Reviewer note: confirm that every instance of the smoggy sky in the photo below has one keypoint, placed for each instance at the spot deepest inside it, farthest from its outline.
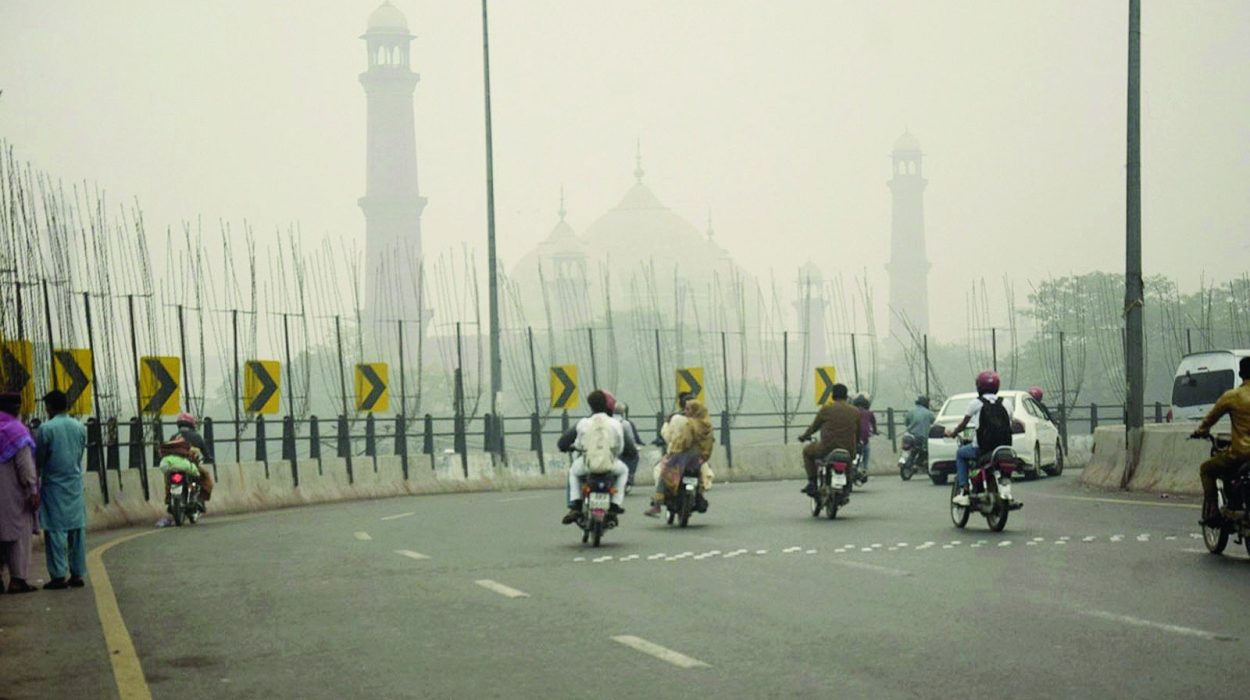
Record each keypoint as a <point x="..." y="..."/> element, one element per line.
<point x="777" y="116"/>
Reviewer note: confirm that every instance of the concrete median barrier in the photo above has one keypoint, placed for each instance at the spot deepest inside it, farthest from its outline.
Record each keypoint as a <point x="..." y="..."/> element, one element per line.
<point x="1169" y="460"/>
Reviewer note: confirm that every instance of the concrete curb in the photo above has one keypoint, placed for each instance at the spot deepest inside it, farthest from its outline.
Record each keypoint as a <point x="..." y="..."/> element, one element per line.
<point x="1169" y="461"/>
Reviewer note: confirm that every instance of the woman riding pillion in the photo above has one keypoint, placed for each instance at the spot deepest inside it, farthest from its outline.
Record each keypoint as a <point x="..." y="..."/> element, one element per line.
<point x="600" y="442"/>
<point x="689" y="438"/>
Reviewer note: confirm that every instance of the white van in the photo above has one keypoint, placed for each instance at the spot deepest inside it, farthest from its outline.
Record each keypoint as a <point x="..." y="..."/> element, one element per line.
<point x="1200" y="379"/>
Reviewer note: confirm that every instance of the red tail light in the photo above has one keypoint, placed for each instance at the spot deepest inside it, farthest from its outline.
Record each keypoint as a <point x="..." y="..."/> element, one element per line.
<point x="839" y="467"/>
<point x="176" y="477"/>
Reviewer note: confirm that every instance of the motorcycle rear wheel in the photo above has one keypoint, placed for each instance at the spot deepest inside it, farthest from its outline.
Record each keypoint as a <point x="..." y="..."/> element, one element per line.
<point x="1216" y="539"/>
<point x="687" y="503"/>
<point x="959" y="514"/>
<point x="997" y="518"/>
<point x="818" y="504"/>
<point x="905" y="471"/>
<point x="596" y="533"/>
<point x="831" y="507"/>
<point x="176" y="510"/>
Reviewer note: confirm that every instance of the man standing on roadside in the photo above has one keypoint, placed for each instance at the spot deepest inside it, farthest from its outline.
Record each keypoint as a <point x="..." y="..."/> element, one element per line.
<point x="19" y="494"/>
<point x="59" y="446"/>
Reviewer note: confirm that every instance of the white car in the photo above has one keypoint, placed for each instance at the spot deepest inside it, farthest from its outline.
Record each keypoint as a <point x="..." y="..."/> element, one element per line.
<point x="1035" y="436"/>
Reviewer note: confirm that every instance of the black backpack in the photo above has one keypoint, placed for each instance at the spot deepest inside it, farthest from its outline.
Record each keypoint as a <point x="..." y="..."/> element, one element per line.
<point x="994" y="427"/>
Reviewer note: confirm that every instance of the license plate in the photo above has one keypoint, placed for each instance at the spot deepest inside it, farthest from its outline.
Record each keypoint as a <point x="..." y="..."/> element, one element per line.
<point x="690" y="481"/>
<point x="839" y="479"/>
<point x="1004" y="490"/>
<point x="176" y="489"/>
<point x="599" y="501"/>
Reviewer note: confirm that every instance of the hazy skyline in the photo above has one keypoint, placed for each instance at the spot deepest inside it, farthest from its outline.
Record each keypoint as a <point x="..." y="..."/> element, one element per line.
<point x="778" y="118"/>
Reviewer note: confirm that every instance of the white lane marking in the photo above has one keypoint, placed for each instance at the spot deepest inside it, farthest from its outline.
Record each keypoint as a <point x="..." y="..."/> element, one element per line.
<point x="1065" y="538"/>
<point x="790" y="550"/>
<point x="410" y="554"/>
<point x="956" y="542"/>
<point x="653" y="557"/>
<point x="662" y="653"/>
<point x="701" y="557"/>
<point x="521" y="498"/>
<point x="1195" y="535"/>
<point x="810" y="551"/>
<point x="866" y="549"/>
<point x="948" y="546"/>
<point x="901" y="544"/>
<point x="1038" y="539"/>
<point x="501" y="589"/>
<point x="1144" y="537"/>
<point x="761" y="551"/>
<point x="1161" y="626"/>
<point x="600" y="560"/>
<point x="683" y="555"/>
<point x="714" y="552"/>
<point x="730" y="555"/>
<point x="363" y="536"/>
<point x="629" y="558"/>
<point x="1090" y="538"/>
<point x="1005" y="543"/>
<point x="398" y="516"/>
<point x="876" y="546"/>
<point x="872" y="567"/>
<point x="1030" y="543"/>
<point x="579" y="558"/>
<point x="974" y="545"/>
<point x="1170" y="537"/>
<point x="1061" y="541"/>
<point x="1191" y="550"/>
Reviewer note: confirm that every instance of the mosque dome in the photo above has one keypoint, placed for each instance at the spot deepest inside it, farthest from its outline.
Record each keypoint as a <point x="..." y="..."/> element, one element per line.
<point x="907" y="144"/>
<point x="388" y="18"/>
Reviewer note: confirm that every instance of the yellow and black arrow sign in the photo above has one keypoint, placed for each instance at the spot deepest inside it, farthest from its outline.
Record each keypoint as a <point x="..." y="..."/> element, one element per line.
<point x="261" y="381"/>
<point x="71" y="373"/>
<point x="826" y="377"/>
<point x="690" y="381"/>
<point x="158" y="385"/>
<point x="16" y="368"/>
<point x="372" y="393"/>
<point x="564" y="394"/>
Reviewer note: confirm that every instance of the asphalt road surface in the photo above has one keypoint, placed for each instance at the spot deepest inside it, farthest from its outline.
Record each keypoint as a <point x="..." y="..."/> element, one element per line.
<point x="1085" y="594"/>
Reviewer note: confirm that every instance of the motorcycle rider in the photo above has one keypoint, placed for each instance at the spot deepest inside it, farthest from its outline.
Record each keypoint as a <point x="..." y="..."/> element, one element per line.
<point x="867" y="427"/>
<point x="682" y="399"/>
<point x="600" y="428"/>
<point x="838" y="424"/>
<point x="918" y="422"/>
<point x="987" y="383"/>
<point x="176" y="456"/>
<point x="1235" y="403"/>
<point x="630" y="458"/>
<point x="187" y="425"/>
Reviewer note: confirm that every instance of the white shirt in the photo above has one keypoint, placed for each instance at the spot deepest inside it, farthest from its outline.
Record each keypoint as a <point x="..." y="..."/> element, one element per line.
<point x="974" y="409"/>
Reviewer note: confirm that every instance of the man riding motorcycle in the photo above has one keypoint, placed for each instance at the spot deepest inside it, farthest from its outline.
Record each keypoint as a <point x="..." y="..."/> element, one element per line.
<point x="918" y="422"/>
<point x="631" y="431"/>
<point x="187" y="425"/>
<point x="867" y="428"/>
<point x="598" y="429"/>
<point x="1235" y="403"/>
<point x="987" y="384"/>
<point x="838" y="425"/>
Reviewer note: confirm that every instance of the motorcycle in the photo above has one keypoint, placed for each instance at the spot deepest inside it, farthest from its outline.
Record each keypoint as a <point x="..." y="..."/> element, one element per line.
<point x="183" y="501"/>
<point x="989" y="490"/>
<point x="859" y="469"/>
<point x="595" y="516"/>
<point x="833" y="488"/>
<point x="914" y="456"/>
<point x="684" y="500"/>
<point x="1234" y="504"/>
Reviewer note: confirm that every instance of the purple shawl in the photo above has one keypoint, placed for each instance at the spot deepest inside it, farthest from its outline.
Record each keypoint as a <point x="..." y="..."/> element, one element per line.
<point x="13" y="437"/>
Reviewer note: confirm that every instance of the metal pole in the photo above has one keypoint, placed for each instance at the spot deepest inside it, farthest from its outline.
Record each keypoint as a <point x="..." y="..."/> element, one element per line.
<point x="134" y="351"/>
<point x="926" y="364"/>
<point x="186" y="371"/>
<point x="496" y="369"/>
<point x="785" y="387"/>
<point x="21" y="321"/>
<point x="994" y="349"/>
<point x="459" y="396"/>
<point x="529" y="336"/>
<point x="238" y="390"/>
<point x="403" y="382"/>
<point x="47" y="317"/>
<point x="290" y="383"/>
<point x="855" y="361"/>
<point x="1063" y="395"/>
<point x="659" y="371"/>
<point x="95" y="395"/>
<point x="338" y="333"/>
<point x="1189" y="341"/>
<point x="724" y="363"/>
<point x="594" y="367"/>
<point x="1133" y="301"/>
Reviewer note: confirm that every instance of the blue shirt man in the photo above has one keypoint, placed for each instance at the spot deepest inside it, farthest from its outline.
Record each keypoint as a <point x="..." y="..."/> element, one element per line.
<point x="59" y="445"/>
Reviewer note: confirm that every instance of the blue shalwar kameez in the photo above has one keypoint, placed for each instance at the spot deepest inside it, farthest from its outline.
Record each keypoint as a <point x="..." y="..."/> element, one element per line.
<point x="59" y="446"/>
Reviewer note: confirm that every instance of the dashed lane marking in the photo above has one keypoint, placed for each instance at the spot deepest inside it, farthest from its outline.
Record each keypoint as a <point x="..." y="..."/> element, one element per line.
<point x="1161" y="626"/>
<point x="397" y="516"/>
<point x="521" y="498"/>
<point x="662" y="653"/>
<point x="501" y="589"/>
<point x="410" y="554"/>
<point x="791" y="550"/>
<point x="363" y="536"/>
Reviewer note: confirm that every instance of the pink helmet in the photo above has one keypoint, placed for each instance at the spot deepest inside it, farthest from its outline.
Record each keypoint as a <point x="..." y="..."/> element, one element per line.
<point x="185" y="418"/>
<point x="609" y="401"/>
<point x="987" y="382"/>
<point x="1036" y="393"/>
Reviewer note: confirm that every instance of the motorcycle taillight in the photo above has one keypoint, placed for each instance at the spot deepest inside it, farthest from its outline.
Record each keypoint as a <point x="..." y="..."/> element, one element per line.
<point x="176" y="477"/>
<point x="839" y="467"/>
<point x="1006" y="467"/>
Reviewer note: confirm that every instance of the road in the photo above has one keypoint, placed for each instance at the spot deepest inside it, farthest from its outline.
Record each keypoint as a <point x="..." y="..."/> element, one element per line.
<point x="1085" y="594"/>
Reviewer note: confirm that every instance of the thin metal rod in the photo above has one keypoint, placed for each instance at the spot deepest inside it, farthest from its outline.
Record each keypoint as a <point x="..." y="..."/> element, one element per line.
<point x="95" y="395"/>
<point x="659" y="371"/>
<point x="186" y="370"/>
<point x="47" y="317"/>
<point x="238" y="388"/>
<point x="134" y="352"/>
<point x="785" y="387"/>
<point x="855" y="361"/>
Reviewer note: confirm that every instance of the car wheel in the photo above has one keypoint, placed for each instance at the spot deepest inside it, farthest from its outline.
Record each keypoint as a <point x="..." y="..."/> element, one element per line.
<point x="938" y="479"/>
<point x="1057" y="468"/>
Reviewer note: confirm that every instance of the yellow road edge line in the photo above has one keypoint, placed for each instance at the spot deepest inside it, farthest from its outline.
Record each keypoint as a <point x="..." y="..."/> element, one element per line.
<point x="127" y="671"/>
<point x="1121" y="501"/>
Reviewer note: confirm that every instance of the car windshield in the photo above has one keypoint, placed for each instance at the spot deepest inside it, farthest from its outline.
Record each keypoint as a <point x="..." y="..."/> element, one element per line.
<point x="1201" y="388"/>
<point x="955" y="407"/>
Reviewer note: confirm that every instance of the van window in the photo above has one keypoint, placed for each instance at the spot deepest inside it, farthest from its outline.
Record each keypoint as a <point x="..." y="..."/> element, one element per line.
<point x="1201" y="388"/>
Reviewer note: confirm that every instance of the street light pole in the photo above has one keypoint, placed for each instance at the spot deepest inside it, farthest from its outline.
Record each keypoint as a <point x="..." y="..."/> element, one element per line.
<point x="496" y="381"/>
<point x="1134" y="370"/>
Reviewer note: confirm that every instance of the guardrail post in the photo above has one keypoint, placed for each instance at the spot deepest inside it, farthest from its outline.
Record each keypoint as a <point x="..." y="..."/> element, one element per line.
<point x="724" y="438"/>
<point x="345" y="447"/>
<point x="401" y="443"/>
<point x="536" y="441"/>
<point x="488" y="433"/>
<point x="158" y="436"/>
<point x="458" y="437"/>
<point x="427" y="434"/>
<point x="1093" y="418"/>
<point x="889" y="428"/>
<point x="262" y="449"/>
<point x="314" y="441"/>
<point x="288" y="448"/>
<point x="95" y="461"/>
<point x="371" y="440"/>
<point x="209" y="437"/>
<point x="1063" y="425"/>
<point x="1158" y="412"/>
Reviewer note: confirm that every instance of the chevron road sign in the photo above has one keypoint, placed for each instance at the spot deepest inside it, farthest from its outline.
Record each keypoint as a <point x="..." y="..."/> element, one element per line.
<point x="158" y="385"/>
<point x="690" y="381"/>
<point x="17" y="366"/>
<point x="826" y="377"/>
<point x="71" y="373"/>
<point x="372" y="393"/>
<point x="261" y="381"/>
<point x="564" y="387"/>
